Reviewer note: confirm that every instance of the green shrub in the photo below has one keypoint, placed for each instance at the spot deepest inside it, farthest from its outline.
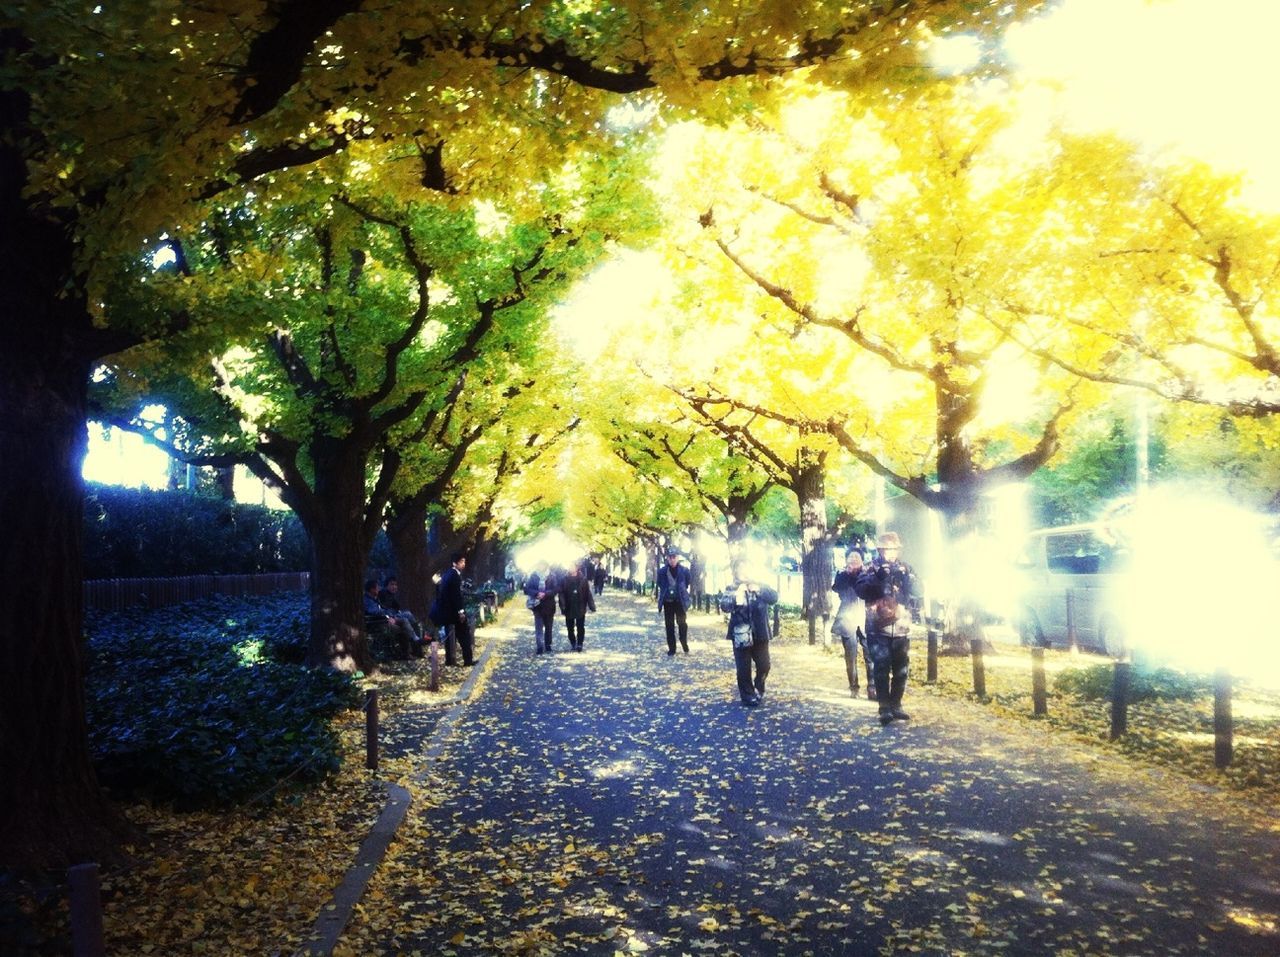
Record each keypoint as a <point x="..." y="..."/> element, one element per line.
<point x="1145" y="684"/>
<point x="189" y="704"/>
<point x="142" y="533"/>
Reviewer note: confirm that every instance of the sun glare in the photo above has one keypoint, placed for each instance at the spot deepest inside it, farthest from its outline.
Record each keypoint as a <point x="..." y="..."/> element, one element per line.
<point x="1182" y="77"/>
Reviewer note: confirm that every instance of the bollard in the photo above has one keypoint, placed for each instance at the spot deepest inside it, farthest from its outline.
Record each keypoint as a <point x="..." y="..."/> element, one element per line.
<point x="1071" y="621"/>
<point x="1039" y="697"/>
<point x="931" y="661"/>
<point x="434" y="683"/>
<point x="371" y="730"/>
<point x="813" y="627"/>
<point x="1120" y="700"/>
<point x="979" y="670"/>
<point x="1223" y="745"/>
<point x="85" y="901"/>
<point x="777" y="623"/>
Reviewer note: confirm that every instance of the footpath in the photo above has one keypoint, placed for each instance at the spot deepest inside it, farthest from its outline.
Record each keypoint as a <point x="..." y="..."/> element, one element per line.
<point x="621" y="801"/>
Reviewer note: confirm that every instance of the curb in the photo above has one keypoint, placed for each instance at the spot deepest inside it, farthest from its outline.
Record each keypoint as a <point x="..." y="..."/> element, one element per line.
<point x="336" y="913"/>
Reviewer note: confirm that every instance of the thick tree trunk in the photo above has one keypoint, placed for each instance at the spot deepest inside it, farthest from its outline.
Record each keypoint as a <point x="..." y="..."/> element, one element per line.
<point x="407" y="531"/>
<point x="339" y="551"/>
<point x="816" y="565"/>
<point x="54" y="812"/>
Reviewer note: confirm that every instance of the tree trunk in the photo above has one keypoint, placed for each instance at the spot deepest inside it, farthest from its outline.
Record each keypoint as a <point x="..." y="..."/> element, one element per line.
<point x="54" y="812"/>
<point x="815" y="553"/>
<point x="226" y="482"/>
<point x="339" y="552"/>
<point x="407" y="531"/>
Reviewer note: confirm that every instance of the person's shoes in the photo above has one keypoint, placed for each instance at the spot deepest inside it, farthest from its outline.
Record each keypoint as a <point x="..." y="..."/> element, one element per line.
<point x="886" y="717"/>
<point x="686" y="649"/>
<point x="871" y="694"/>
<point x="760" y="695"/>
<point x="752" y="702"/>
<point x="900" y="715"/>
<point x="671" y="654"/>
<point x="539" y="651"/>
<point x="854" y="693"/>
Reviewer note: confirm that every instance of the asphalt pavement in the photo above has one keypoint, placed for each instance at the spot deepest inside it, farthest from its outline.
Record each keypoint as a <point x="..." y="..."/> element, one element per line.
<point x="621" y="801"/>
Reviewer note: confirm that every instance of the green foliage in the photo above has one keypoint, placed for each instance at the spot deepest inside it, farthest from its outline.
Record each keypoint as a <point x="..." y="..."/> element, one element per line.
<point x="1145" y="684"/>
<point x="188" y="705"/>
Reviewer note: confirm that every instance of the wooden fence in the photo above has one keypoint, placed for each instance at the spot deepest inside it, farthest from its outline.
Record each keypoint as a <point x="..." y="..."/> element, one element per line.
<point x="114" y="594"/>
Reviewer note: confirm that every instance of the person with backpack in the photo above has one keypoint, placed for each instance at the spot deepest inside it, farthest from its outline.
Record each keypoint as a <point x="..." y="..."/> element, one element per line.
<point x="887" y="585"/>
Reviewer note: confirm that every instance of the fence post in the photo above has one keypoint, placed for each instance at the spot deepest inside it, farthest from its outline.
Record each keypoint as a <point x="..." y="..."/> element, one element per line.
<point x="1072" y="641"/>
<point x="979" y="669"/>
<point x="85" y="900"/>
<point x="1039" y="698"/>
<point x="931" y="661"/>
<point x="1120" y="700"/>
<point x="777" y="622"/>
<point x="371" y="730"/>
<point x="434" y="650"/>
<point x="1223" y="744"/>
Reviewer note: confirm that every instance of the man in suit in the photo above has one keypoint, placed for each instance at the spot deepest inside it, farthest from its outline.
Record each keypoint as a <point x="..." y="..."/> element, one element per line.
<point x="448" y="611"/>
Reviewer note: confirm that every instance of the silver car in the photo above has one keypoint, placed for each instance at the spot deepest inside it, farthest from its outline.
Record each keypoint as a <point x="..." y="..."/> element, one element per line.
<point x="1072" y="579"/>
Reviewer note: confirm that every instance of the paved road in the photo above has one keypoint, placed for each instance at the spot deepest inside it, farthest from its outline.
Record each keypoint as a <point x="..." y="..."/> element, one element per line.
<point x="621" y="801"/>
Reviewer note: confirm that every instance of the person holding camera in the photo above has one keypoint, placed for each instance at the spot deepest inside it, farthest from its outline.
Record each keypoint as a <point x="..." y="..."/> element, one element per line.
<point x="888" y="586"/>
<point x="747" y="603"/>
<point x="849" y="621"/>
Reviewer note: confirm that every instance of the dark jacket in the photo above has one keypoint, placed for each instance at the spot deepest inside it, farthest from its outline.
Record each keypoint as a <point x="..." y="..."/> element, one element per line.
<point x="850" y="615"/>
<point x="673" y="585"/>
<point x="448" y="600"/>
<point x="887" y="589"/>
<point x="754" y="612"/>
<point x="575" y="596"/>
<point x="548" y="586"/>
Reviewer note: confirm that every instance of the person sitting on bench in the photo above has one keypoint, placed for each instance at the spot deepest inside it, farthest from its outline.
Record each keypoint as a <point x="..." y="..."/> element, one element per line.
<point x="407" y="641"/>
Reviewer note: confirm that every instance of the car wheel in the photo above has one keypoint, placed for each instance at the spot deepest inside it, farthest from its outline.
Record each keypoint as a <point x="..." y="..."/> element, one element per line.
<point x="1030" y="633"/>
<point x="1112" y="638"/>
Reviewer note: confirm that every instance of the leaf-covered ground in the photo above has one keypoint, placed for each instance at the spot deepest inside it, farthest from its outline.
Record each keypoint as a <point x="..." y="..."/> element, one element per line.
<point x="617" y="801"/>
<point x="621" y="801"/>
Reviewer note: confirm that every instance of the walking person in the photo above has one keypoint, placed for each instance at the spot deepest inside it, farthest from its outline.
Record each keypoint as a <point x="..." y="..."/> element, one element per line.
<point x="541" y="600"/>
<point x="887" y="586"/>
<point x="575" y="601"/>
<point x="673" y="581"/>
<point x="747" y="603"/>
<point x="599" y="574"/>
<point x="449" y="612"/>
<point x="850" y="619"/>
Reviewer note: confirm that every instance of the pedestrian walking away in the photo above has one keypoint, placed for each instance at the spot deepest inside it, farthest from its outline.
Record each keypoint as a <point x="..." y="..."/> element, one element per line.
<point x="849" y="621"/>
<point x="449" y="612"/>
<point x="887" y="586"/>
<point x="575" y="602"/>
<point x="747" y="603"/>
<point x="673" y="583"/>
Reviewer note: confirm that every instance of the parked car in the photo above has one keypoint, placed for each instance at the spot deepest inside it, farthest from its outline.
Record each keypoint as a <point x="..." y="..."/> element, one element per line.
<point x="1076" y="571"/>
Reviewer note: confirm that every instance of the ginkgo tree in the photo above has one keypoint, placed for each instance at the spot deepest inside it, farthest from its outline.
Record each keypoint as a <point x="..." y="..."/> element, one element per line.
<point x="122" y="120"/>
<point x="887" y="237"/>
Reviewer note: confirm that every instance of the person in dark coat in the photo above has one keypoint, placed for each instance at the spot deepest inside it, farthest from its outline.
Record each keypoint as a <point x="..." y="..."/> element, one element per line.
<point x="747" y="603"/>
<point x="540" y="589"/>
<point x="849" y="621"/>
<point x="575" y="602"/>
<point x="887" y="585"/>
<point x="449" y="612"/>
<point x="407" y="640"/>
<point x="673" y="581"/>
<point x="599" y="574"/>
